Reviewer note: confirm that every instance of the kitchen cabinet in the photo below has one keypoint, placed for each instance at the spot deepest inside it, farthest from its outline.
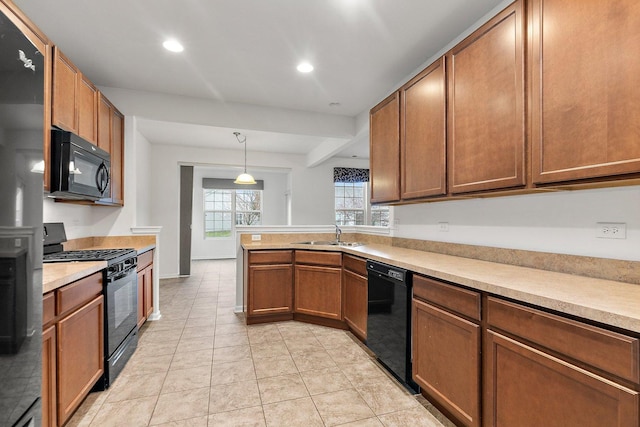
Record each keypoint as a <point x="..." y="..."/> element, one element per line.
<point x="65" y="87"/>
<point x="354" y="287"/>
<point x="384" y="150"/>
<point x="543" y="369"/>
<point x="49" y="361"/>
<point x="318" y="284"/>
<point x="72" y="346"/>
<point x="111" y="139"/>
<point x="486" y="106"/>
<point x="145" y="286"/>
<point x="87" y="103"/>
<point x="585" y="86"/>
<point x="423" y="133"/>
<point x="446" y="347"/>
<point x="268" y="285"/>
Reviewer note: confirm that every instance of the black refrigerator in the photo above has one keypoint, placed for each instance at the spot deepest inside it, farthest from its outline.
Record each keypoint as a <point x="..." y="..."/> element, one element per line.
<point x="21" y="195"/>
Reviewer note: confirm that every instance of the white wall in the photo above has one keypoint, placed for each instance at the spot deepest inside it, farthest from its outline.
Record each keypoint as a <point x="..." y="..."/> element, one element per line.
<point x="311" y="188"/>
<point x="273" y="210"/>
<point x="143" y="175"/>
<point x="562" y="222"/>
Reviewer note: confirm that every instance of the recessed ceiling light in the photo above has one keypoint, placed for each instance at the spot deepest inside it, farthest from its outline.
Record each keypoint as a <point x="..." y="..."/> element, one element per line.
<point x="173" y="45"/>
<point x="304" y="67"/>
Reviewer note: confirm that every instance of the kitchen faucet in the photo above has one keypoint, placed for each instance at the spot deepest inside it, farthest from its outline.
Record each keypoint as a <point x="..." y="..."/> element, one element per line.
<point x="338" y="233"/>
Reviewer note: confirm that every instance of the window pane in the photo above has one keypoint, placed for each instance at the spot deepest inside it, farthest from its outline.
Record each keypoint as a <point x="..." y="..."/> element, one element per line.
<point x="221" y="215"/>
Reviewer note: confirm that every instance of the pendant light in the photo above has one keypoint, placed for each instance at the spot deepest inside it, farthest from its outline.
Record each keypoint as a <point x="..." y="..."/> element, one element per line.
<point x="244" y="178"/>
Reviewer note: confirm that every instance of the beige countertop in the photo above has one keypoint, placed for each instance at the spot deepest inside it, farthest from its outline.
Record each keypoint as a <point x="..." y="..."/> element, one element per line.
<point x="606" y="301"/>
<point x="58" y="274"/>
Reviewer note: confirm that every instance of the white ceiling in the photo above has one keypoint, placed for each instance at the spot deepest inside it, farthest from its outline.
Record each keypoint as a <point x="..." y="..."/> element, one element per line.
<point x="246" y="51"/>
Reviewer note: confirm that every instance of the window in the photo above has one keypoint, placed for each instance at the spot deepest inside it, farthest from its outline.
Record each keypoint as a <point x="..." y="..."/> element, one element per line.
<point x="352" y="199"/>
<point x="222" y="206"/>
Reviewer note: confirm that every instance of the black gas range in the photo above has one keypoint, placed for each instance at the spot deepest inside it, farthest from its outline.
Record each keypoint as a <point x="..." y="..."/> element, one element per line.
<point x="120" y="292"/>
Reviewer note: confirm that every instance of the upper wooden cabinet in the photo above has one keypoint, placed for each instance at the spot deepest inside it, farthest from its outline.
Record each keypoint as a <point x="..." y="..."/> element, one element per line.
<point x="585" y="86"/>
<point x="423" y="133"/>
<point x="486" y="105"/>
<point x="384" y="150"/>
<point x="65" y="78"/>
<point x="87" y="102"/>
<point x="111" y="139"/>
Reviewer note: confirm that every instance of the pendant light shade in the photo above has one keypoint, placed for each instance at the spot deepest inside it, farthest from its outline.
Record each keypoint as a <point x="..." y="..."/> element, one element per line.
<point x="243" y="178"/>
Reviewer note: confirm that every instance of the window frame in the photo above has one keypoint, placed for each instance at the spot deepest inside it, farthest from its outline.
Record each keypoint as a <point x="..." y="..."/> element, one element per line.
<point x="233" y="212"/>
<point x="367" y="209"/>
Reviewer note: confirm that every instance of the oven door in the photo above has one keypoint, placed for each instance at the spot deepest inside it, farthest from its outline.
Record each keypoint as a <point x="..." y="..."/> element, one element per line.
<point x="121" y="307"/>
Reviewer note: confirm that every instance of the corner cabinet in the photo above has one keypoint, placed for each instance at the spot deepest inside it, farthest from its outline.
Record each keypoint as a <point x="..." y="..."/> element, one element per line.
<point x="486" y="117"/>
<point x="423" y="133"/>
<point x="355" y="291"/>
<point x="446" y="347"/>
<point x="384" y="150"/>
<point x="585" y="86"/>
<point x="318" y="284"/>
<point x="268" y="285"/>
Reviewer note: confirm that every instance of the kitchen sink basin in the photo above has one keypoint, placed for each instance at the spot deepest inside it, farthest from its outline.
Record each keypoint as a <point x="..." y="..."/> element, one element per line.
<point x="329" y="242"/>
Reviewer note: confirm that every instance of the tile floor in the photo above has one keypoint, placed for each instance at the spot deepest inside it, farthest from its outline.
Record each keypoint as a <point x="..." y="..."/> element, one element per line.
<point x="200" y="365"/>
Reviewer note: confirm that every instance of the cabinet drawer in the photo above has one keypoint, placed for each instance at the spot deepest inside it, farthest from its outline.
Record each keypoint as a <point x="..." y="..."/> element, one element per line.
<point x="319" y="258"/>
<point x="78" y="293"/>
<point x="606" y="350"/>
<point x="458" y="300"/>
<point x="357" y="265"/>
<point x="144" y="259"/>
<point x="270" y="257"/>
<point x="48" y="307"/>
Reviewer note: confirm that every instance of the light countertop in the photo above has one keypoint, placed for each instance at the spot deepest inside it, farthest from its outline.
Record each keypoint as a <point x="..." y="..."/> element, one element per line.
<point x="605" y="301"/>
<point x="58" y="274"/>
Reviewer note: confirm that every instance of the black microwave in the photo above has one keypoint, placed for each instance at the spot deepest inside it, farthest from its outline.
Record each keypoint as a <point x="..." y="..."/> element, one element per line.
<point x="79" y="169"/>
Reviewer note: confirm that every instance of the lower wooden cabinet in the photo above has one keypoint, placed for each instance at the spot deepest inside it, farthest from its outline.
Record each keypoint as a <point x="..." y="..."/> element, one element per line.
<point x="268" y="286"/>
<point x="318" y="291"/>
<point x="354" y="288"/>
<point x="446" y="351"/>
<point x="80" y="338"/>
<point x="49" y="381"/>
<point x="526" y="387"/>
<point x="145" y="286"/>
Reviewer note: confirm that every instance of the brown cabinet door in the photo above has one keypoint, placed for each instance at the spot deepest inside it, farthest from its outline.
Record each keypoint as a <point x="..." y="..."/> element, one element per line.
<point x="141" y="307"/>
<point x="270" y="289"/>
<point x="49" y="418"/>
<point x="318" y="291"/>
<point x="65" y="76"/>
<point x="80" y="356"/>
<point x="446" y="361"/>
<point x="525" y="387"/>
<point x="423" y="133"/>
<point x="87" y="104"/>
<point x="384" y="150"/>
<point x="148" y="291"/>
<point x="104" y="122"/>
<point x="355" y="302"/>
<point x="117" y="158"/>
<point x="585" y="80"/>
<point x="486" y="134"/>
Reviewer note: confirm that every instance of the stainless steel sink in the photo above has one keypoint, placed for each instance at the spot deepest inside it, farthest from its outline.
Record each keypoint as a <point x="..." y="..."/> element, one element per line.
<point x="329" y="242"/>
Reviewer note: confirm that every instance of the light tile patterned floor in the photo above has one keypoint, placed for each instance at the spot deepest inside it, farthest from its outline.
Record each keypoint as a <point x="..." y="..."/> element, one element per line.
<point x="200" y="365"/>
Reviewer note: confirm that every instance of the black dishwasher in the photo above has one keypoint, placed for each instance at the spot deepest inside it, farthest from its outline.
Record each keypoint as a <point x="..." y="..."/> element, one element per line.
<point x="389" y="319"/>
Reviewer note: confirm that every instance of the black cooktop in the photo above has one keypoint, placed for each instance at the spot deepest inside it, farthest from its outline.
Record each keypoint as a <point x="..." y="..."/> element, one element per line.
<point x="89" y="255"/>
<point x="55" y="235"/>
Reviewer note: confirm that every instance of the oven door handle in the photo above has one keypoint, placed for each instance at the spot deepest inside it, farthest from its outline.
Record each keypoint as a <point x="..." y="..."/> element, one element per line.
<point x="122" y="274"/>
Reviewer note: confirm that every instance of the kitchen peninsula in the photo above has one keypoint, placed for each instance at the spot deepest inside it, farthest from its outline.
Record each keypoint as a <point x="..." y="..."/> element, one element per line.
<point x="480" y="326"/>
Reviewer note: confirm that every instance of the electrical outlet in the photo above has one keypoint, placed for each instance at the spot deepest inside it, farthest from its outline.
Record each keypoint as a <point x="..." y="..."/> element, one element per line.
<point x="443" y="226"/>
<point x="611" y="230"/>
<point x="256" y="237"/>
